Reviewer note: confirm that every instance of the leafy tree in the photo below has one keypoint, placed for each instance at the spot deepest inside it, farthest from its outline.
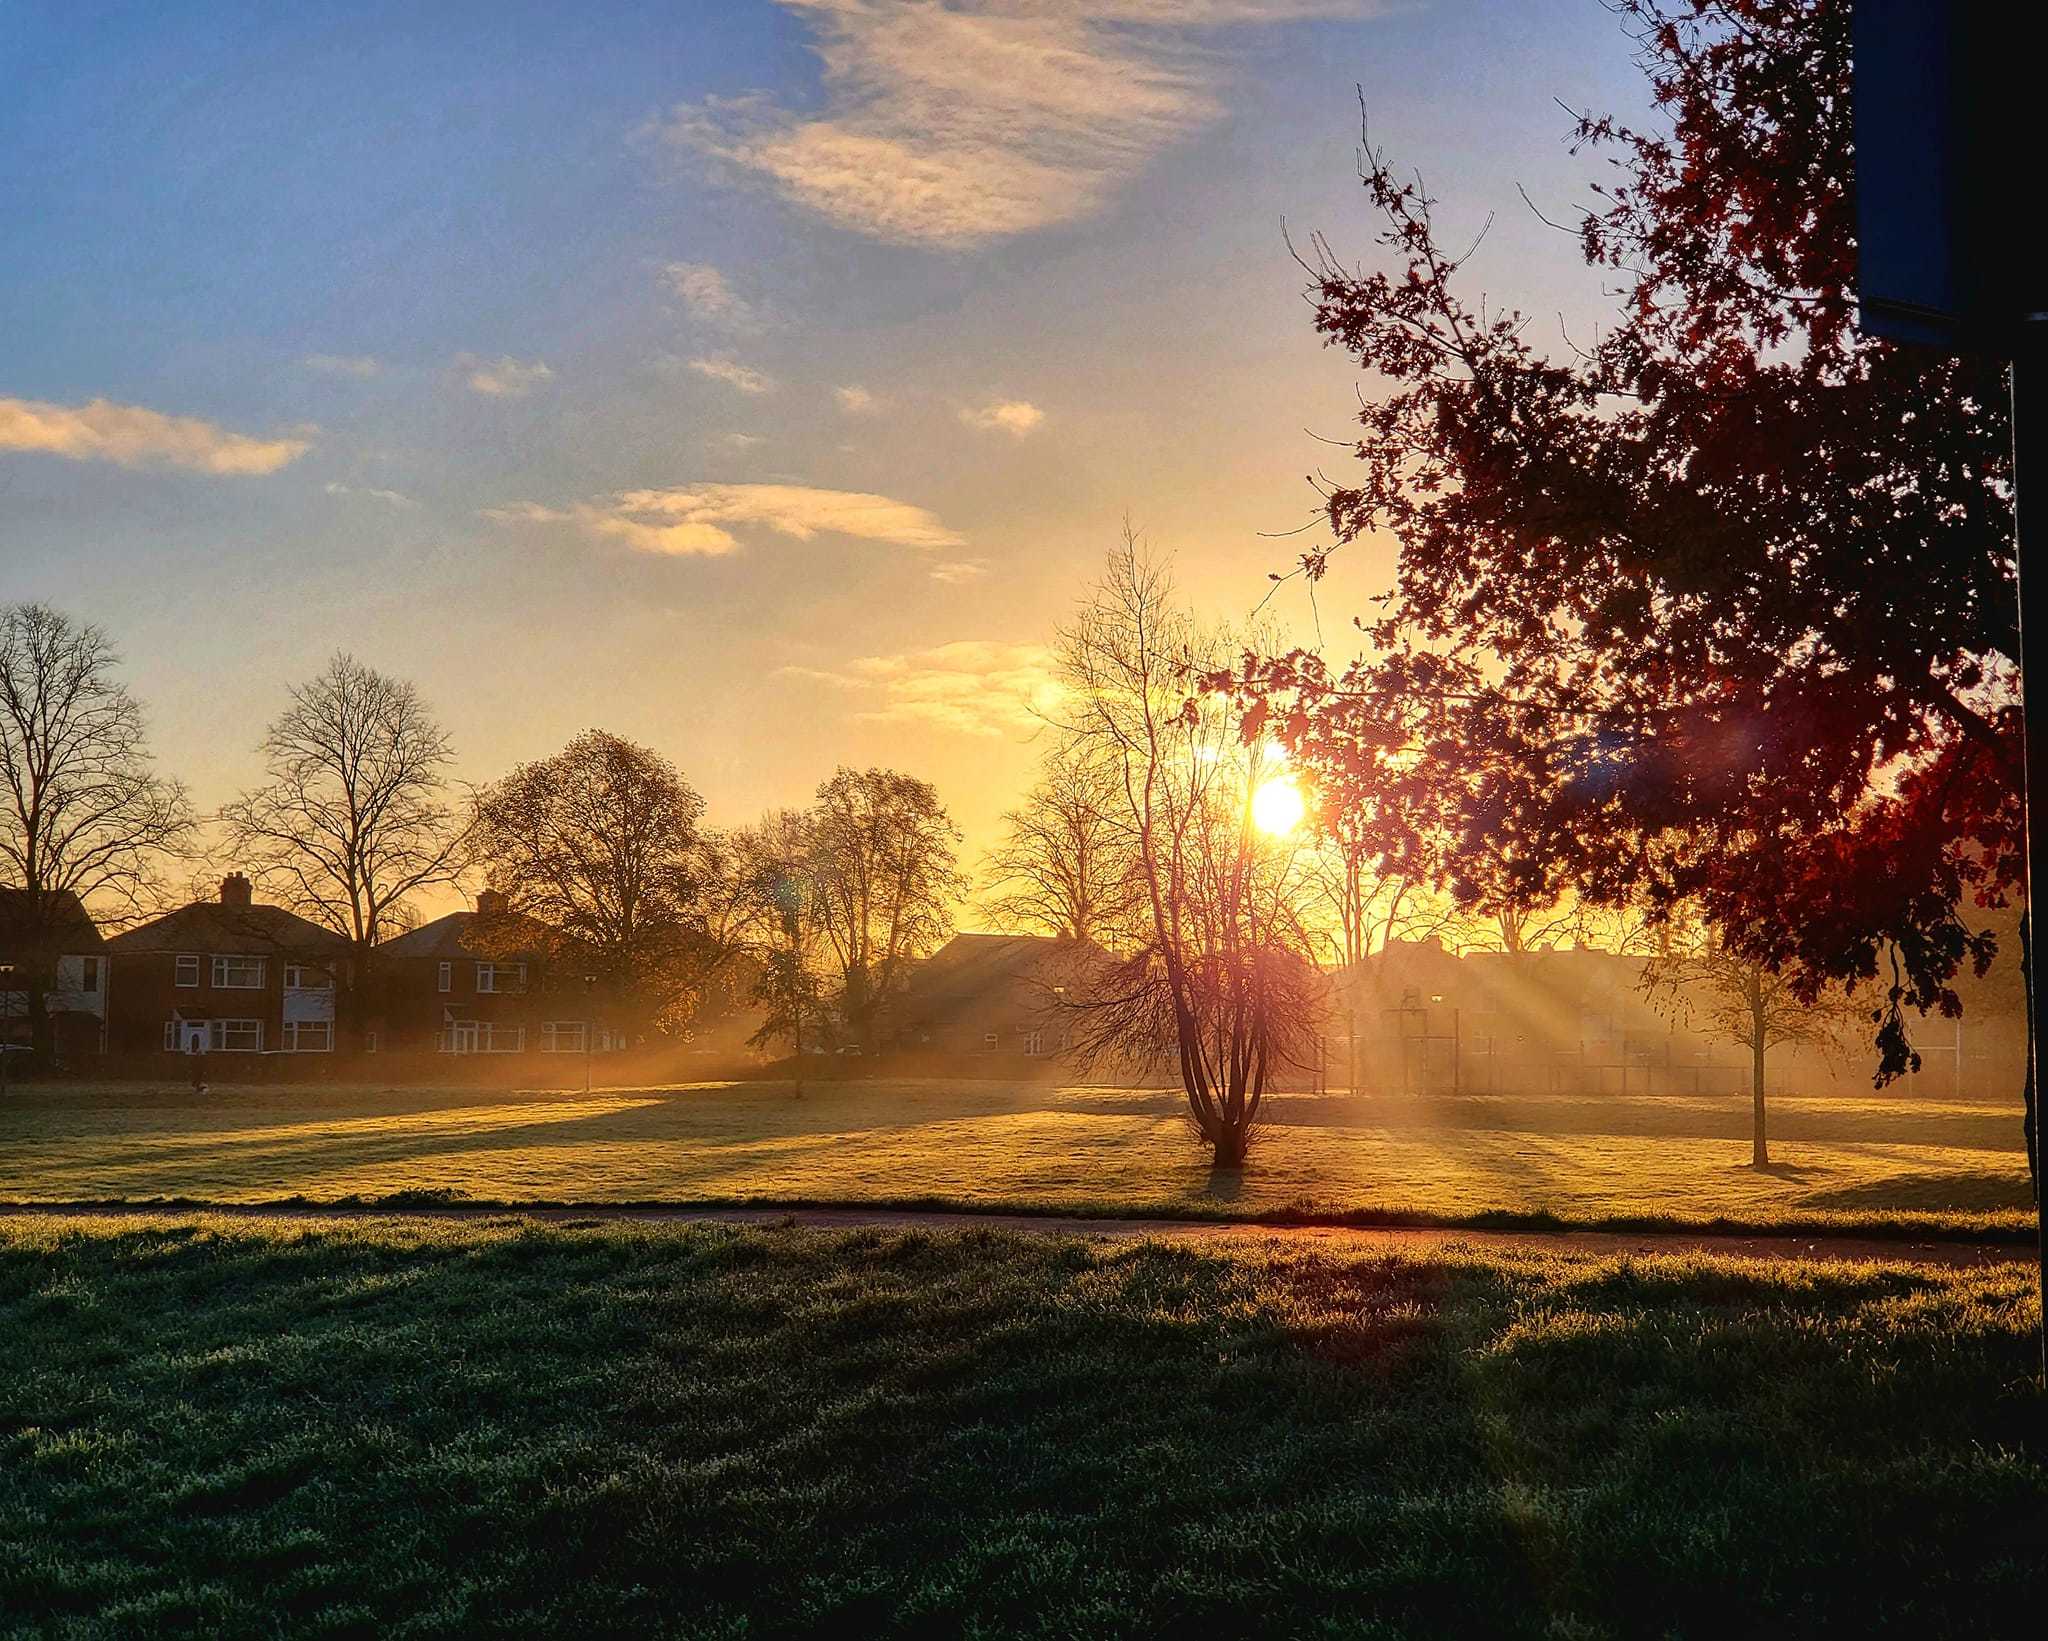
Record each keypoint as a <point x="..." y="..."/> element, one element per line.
<point x="883" y="877"/>
<point x="601" y="844"/>
<point x="1708" y="985"/>
<point x="84" y="818"/>
<point x="1717" y="610"/>
<point x="353" y="820"/>
<point x="778" y="919"/>
<point x="1063" y="867"/>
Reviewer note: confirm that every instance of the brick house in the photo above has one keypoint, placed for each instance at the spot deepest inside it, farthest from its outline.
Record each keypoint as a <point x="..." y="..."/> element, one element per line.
<point x="990" y="997"/>
<point x="228" y="976"/>
<point x="490" y="981"/>
<point x="55" y="949"/>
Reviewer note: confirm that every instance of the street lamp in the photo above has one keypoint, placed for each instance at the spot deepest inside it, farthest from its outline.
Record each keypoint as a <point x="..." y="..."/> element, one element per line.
<point x="589" y="991"/>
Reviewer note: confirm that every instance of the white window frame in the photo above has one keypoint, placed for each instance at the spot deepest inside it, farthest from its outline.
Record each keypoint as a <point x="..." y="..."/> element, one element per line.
<point x="489" y="974"/>
<point x="445" y="980"/>
<point x="564" y="1036"/>
<point x="217" y="1036"/>
<point x="89" y="973"/>
<point x="295" y="978"/>
<point x="1034" y="1042"/>
<point x="183" y="964"/>
<point x="295" y="1032"/>
<point x="990" y="1040"/>
<point x="221" y="971"/>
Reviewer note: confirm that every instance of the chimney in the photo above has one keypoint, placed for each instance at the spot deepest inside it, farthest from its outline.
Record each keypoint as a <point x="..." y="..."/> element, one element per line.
<point x="234" y="890"/>
<point x="492" y="903"/>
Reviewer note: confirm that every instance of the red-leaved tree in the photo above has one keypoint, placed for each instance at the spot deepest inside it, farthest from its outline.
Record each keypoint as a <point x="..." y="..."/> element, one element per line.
<point x="1718" y="608"/>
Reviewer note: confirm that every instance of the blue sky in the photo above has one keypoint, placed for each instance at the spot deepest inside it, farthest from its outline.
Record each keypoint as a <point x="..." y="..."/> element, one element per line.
<point x="760" y="380"/>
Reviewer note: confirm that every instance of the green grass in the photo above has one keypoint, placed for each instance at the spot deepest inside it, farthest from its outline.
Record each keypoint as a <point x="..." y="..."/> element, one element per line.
<point x="418" y="1428"/>
<point x="1882" y="1162"/>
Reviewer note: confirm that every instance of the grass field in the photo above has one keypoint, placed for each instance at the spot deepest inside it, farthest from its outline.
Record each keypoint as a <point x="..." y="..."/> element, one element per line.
<point x="1838" y="1161"/>
<point x="420" y="1428"/>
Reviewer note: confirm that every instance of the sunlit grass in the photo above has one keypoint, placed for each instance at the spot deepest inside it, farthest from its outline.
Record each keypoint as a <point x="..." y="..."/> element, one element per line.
<point x="389" y="1427"/>
<point x="1838" y="1160"/>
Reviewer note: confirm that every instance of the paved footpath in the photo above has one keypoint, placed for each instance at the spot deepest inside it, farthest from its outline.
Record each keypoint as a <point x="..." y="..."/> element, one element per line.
<point x="1344" y="1241"/>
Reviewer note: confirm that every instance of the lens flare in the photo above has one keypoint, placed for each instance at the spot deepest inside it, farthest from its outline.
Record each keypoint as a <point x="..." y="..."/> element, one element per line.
<point x="1277" y="808"/>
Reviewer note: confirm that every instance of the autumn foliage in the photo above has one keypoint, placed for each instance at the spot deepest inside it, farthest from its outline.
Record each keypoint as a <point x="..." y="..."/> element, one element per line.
<point x="1715" y="608"/>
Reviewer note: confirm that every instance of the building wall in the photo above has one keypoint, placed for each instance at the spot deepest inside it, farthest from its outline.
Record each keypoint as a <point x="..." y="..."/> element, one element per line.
<point x="145" y="995"/>
<point x="417" y="1016"/>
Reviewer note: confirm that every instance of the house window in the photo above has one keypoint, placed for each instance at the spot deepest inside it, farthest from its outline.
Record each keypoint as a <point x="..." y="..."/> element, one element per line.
<point x="369" y="1042"/>
<point x="233" y="972"/>
<point x="235" y="1036"/>
<point x="89" y="974"/>
<point x="988" y="1039"/>
<point x="501" y="977"/>
<point x="301" y="977"/>
<point x="187" y="970"/>
<point x="446" y="982"/>
<point x="1034" y="1042"/>
<point x="308" y="1036"/>
<point x="480" y="1037"/>
<point x="563" y="1037"/>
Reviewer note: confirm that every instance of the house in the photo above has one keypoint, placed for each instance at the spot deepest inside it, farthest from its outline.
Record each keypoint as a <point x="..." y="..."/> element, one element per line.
<point x="489" y="981"/>
<point x="227" y="976"/>
<point x="53" y="948"/>
<point x="989" y="996"/>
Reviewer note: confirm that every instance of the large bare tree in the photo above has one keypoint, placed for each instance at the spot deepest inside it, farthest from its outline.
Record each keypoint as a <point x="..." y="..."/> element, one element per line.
<point x="1063" y="867"/>
<point x="86" y="819"/>
<point x="1220" y="976"/>
<point x="778" y="897"/>
<point x="601" y="843"/>
<point x="353" y="818"/>
<point x="883" y="869"/>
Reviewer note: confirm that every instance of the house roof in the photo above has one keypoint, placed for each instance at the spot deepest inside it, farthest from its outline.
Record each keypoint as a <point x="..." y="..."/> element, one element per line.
<point x="970" y="968"/>
<point x="208" y="926"/>
<point x="65" y="925"/>
<point x="508" y="934"/>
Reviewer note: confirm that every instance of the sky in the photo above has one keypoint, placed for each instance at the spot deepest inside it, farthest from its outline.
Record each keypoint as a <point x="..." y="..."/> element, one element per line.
<point x="762" y="380"/>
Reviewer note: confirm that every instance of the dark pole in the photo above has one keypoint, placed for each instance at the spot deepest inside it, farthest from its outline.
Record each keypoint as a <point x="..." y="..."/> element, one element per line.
<point x="2029" y="447"/>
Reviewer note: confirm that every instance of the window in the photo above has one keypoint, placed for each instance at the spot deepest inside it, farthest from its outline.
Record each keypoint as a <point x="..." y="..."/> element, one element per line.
<point x="563" y="1037"/>
<point x="234" y="972"/>
<point x="480" y="1037"/>
<point x="303" y="977"/>
<point x="308" y="1036"/>
<point x="1034" y="1042"/>
<point x="89" y="974"/>
<point x="447" y="977"/>
<point x="235" y="1036"/>
<point x="187" y="973"/>
<point x="501" y="977"/>
<point x="988" y="1039"/>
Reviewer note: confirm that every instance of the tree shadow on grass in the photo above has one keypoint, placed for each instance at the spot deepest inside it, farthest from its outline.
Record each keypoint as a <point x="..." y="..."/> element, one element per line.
<point x="1961" y="1189"/>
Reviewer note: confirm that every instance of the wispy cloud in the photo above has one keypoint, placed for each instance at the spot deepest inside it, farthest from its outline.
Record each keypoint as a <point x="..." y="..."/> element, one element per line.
<point x="734" y="374"/>
<point x="972" y="686"/>
<point x="950" y="125"/>
<point x="1016" y="417"/>
<point x="856" y="400"/>
<point x="359" y="365"/>
<point x="132" y="436"/>
<point x="391" y="498"/>
<point x="708" y="294"/>
<point x="742" y="441"/>
<point x="708" y="520"/>
<point x="957" y="572"/>
<point x="505" y="378"/>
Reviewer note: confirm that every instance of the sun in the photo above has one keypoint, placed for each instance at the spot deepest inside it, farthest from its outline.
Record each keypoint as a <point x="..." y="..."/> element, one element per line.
<point x="1277" y="807"/>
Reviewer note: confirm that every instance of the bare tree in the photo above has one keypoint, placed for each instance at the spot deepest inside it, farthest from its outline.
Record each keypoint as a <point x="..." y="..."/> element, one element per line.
<point x="601" y="844"/>
<point x="1220" y="977"/>
<point x="883" y="871"/>
<point x="86" y="820"/>
<point x="1063" y="867"/>
<point x="1699" y="982"/>
<point x="352" y="820"/>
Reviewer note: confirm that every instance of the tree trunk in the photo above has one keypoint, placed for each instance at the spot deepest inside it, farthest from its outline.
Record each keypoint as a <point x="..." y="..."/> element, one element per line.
<point x="2030" y="1092"/>
<point x="1759" y="1142"/>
